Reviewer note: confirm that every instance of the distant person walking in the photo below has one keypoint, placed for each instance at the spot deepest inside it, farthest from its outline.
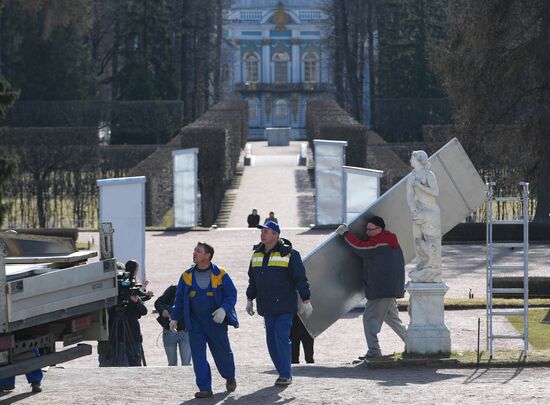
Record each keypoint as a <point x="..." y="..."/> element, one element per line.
<point x="253" y="219"/>
<point x="275" y="273"/>
<point x="271" y="218"/>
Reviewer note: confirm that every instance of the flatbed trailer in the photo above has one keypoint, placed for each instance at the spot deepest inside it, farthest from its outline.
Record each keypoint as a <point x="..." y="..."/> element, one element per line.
<point x="52" y="295"/>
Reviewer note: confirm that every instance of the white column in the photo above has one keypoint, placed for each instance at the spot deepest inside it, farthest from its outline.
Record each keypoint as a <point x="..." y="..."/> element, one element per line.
<point x="237" y="66"/>
<point x="266" y="61"/>
<point x="296" y="62"/>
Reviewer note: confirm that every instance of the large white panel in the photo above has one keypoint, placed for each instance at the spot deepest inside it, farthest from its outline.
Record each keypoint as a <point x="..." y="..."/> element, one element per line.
<point x="335" y="272"/>
<point x="330" y="156"/>
<point x="122" y="202"/>
<point x="185" y="187"/>
<point x="362" y="188"/>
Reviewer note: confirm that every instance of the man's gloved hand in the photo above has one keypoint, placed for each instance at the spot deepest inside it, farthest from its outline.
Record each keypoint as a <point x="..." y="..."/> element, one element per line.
<point x="342" y="229"/>
<point x="250" y="307"/>
<point x="218" y="315"/>
<point x="173" y="326"/>
<point x="306" y="309"/>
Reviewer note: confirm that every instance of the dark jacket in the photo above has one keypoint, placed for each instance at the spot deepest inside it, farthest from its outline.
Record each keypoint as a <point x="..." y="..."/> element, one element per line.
<point x="274" y="278"/>
<point x="253" y="220"/>
<point x="129" y="313"/>
<point x="384" y="266"/>
<point x="165" y="302"/>
<point x="225" y="295"/>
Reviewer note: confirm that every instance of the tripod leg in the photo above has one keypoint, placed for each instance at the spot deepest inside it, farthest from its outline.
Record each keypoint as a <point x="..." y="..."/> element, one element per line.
<point x="133" y="351"/>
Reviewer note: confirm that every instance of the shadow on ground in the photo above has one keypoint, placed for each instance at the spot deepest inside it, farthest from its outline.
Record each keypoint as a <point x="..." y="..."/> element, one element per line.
<point x="385" y="377"/>
<point x="267" y="395"/>
<point x="493" y="375"/>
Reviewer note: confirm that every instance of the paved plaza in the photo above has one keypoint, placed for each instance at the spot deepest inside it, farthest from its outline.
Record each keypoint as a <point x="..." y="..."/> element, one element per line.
<point x="274" y="183"/>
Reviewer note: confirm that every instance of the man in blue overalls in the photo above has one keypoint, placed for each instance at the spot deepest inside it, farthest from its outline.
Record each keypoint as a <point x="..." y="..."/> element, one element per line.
<point x="205" y="300"/>
<point x="34" y="378"/>
<point x="275" y="273"/>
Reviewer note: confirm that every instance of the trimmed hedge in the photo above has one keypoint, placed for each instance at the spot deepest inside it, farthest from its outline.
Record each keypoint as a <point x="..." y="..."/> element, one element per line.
<point x="325" y="119"/>
<point x="477" y="232"/>
<point x="131" y="122"/>
<point x="49" y="136"/>
<point x="58" y="167"/>
<point x="219" y="134"/>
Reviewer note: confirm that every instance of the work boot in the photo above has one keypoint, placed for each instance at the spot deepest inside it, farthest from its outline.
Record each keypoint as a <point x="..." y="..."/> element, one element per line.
<point x="6" y="387"/>
<point x="282" y="381"/>
<point x="36" y="388"/>
<point x="370" y="355"/>
<point x="204" y="394"/>
<point x="231" y="385"/>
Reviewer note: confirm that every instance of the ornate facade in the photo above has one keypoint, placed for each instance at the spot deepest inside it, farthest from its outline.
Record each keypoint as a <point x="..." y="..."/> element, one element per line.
<point x="274" y="59"/>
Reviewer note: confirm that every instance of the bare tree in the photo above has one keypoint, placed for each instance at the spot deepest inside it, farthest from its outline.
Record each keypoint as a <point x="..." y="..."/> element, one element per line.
<point x="495" y="69"/>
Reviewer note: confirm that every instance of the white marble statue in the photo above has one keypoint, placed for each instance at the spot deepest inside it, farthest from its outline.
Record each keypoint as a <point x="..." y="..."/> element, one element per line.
<point x="422" y="192"/>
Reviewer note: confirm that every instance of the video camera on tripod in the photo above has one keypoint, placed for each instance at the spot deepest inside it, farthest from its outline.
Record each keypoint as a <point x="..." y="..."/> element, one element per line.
<point x="128" y="287"/>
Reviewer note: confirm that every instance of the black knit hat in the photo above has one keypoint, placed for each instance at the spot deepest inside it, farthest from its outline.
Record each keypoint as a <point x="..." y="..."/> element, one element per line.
<point x="377" y="221"/>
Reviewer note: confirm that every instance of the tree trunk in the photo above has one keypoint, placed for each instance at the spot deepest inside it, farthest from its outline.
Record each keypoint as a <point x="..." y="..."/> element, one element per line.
<point x="218" y="58"/>
<point x="338" y="55"/>
<point x="40" y="201"/>
<point x="116" y="44"/>
<point x="372" y="71"/>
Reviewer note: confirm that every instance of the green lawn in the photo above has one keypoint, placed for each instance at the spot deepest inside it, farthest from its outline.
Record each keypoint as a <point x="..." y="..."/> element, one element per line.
<point x="539" y="333"/>
<point x="479" y="303"/>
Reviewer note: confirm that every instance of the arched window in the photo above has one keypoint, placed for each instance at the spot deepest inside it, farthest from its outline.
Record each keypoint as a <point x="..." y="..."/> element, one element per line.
<point x="280" y="67"/>
<point x="281" y="109"/>
<point x="251" y="65"/>
<point x="311" y="68"/>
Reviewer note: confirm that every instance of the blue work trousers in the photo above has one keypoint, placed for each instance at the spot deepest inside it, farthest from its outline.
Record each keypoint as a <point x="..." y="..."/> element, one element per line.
<point x="174" y="340"/>
<point x="277" y="330"/>
<point x="205" y="331"/>
<point x="32" y="377"/>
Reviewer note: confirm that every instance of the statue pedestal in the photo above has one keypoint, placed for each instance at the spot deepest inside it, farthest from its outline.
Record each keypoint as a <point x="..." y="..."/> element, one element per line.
<point x="427" y="332"/>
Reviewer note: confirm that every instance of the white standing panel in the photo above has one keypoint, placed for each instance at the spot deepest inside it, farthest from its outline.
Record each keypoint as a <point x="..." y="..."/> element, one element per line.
<point x="185" y="187"/>
<point x="330" y="156"/>
<point x="122" y="202"/>
<point x="362" y="189"/>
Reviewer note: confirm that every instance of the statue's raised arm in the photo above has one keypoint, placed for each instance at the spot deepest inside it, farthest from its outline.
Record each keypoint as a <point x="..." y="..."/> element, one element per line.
<point x="422" y="193"/>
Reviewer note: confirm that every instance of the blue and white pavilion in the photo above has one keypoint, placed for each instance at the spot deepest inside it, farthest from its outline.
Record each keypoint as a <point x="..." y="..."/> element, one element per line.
<point x="274" y="60"/>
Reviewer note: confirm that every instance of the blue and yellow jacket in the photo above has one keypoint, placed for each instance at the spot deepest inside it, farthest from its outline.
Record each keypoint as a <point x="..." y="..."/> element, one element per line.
<point x="273" y="279"/>
<point x="225" y="295"/>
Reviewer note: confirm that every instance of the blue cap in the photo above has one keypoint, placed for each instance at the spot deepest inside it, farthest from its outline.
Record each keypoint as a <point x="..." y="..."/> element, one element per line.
<point x="274" y="226"/>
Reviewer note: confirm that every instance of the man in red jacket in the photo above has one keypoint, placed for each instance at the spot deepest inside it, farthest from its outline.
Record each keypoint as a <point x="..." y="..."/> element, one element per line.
<point x="384" y="276"/>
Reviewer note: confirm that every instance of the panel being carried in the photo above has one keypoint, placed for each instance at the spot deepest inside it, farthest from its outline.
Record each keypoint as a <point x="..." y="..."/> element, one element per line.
<point x="335" y="272"/>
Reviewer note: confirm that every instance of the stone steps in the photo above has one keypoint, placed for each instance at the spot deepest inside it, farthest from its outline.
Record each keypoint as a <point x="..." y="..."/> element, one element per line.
<point x="229" y="198"/>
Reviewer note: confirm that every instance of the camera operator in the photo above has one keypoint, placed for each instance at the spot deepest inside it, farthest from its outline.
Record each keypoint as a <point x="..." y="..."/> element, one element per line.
<point x="132" y="267"/>
<point x="125" y="339"/>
